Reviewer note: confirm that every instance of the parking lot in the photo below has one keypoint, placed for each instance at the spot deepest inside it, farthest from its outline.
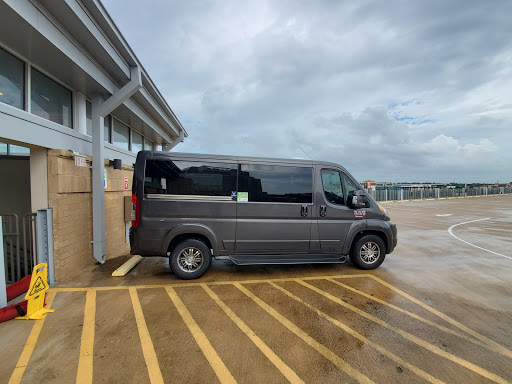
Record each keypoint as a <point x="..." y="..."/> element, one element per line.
<point x="439" y="309"/>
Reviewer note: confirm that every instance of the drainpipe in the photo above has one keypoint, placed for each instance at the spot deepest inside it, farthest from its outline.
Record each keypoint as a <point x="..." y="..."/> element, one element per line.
<point x="168" y="147"/>
<point x="100" y="110"/>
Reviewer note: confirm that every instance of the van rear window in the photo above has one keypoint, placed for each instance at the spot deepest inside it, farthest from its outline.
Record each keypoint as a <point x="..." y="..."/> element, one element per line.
<point x="189" y="178"/>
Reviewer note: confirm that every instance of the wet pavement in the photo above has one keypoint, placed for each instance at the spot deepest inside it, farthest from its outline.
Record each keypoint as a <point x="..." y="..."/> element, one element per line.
<point x="439" y="309"/>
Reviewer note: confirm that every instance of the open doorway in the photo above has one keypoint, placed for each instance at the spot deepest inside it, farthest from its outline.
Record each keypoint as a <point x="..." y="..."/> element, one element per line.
<point x="15" y="209"/>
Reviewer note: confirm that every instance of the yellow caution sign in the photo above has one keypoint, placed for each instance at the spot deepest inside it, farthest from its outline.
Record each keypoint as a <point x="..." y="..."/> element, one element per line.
<point x="36" y="294"/>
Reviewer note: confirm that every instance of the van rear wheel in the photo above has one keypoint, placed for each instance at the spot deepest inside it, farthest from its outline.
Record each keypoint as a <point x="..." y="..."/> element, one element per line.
<point x="190" y="259"/>
<point x="368" y="252"/>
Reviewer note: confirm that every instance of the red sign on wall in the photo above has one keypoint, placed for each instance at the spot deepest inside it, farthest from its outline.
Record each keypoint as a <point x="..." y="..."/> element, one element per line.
<point x="126" y="185"/>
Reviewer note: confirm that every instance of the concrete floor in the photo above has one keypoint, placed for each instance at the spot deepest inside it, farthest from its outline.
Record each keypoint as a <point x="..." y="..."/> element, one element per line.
<point x="439" y="309"/>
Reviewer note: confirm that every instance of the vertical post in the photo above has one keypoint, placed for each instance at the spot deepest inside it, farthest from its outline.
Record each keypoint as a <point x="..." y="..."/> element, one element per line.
<point x="45" y="241"/>
<point x="401" y="194"/>
<point x="386" y="194"/>
<point x="3" y="286"/>
<point x="80" y="117"/>
<point x="98" y="190"/>
<point x="28" y="88"/>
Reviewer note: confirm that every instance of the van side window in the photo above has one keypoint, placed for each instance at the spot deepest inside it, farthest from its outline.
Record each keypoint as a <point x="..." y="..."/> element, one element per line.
<point x="350" y="187"/>
<point x="276" y="184"/>
<point x="332" y="186"/>
<point x="190" y="178"/>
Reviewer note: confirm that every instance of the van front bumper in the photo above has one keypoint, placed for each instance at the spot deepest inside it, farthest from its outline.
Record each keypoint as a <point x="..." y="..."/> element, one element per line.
<point x="393" y="241"/>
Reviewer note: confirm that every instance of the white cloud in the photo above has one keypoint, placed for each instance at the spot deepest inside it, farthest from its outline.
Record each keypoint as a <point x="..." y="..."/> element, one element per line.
<point x="394" y="91"/>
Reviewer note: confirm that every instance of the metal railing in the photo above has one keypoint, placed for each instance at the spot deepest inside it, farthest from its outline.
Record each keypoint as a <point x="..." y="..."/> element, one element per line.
<point x="11" y="245"/>
<point x="388" y="194"/>
<point x="19" y="245"/>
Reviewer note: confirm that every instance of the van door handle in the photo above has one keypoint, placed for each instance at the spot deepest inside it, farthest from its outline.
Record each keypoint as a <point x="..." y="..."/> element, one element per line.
<point x="323" y="210"/>
<point x="304" y="210"/>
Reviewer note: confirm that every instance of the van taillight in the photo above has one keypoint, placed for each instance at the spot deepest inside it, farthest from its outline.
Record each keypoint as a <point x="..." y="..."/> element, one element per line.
<point x="135" y="212"/>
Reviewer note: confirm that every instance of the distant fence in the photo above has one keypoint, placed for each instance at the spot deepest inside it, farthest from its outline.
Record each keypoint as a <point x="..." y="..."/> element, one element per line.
<point x="386" y="194"/>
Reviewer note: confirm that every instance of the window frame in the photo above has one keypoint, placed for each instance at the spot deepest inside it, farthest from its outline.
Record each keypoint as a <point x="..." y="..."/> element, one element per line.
<point x="344" y="204"/>
<point x="164" y="196"/>
<point x="309" y="167"/>
<point x="133" y="131"/>
<point x="58" y="82"/>
<point x="344" y="176"/>
<point x="26" y="80"/>
<point x="114" y="131"/>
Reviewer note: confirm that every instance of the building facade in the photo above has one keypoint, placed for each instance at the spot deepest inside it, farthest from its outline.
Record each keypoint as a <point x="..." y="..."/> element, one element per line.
<point x="73" y="98"/>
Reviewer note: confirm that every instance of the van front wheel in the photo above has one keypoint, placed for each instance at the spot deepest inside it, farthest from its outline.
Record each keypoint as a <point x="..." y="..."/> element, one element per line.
<point x="190" y="259"/>
<point x="368" y="252"/>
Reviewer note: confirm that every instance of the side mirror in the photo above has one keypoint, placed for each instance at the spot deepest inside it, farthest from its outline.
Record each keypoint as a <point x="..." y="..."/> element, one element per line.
<point x="359" y="200"/>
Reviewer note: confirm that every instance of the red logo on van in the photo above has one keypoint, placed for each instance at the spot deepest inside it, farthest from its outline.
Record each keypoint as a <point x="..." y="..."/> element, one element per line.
<point x="360" y="214"/>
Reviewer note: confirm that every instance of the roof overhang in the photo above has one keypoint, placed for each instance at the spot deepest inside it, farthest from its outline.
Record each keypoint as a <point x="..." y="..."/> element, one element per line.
<point x="78" y="43"/>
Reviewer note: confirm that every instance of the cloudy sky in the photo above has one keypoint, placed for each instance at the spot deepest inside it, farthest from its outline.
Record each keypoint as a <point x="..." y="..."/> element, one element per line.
<point x="394" y="91"/>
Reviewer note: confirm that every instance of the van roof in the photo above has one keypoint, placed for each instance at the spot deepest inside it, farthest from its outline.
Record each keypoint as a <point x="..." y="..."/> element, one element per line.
<point x="159" y="155"/>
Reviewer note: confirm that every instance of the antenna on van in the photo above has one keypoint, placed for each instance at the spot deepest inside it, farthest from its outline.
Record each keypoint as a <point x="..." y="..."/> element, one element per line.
<point x="305" y="152"/>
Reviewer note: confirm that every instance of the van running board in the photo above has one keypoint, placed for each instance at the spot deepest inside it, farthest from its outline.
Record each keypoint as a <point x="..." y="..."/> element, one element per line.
<point x="286" y="259"/>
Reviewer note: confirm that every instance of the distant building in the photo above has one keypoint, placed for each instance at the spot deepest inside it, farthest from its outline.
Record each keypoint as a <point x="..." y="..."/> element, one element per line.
<point x="367" y="184"/>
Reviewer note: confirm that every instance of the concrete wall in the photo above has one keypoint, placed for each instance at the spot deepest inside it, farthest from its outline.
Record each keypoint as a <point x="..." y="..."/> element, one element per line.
<point x="70" y="197"/>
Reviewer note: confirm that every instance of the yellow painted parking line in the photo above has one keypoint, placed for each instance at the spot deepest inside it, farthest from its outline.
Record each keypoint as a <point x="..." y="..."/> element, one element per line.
<point x="416" y="340"/>
<point x="211" y="355"/>
<point x="428" y="377"/>
<point x="18" y="372"/>
<point x="155" y="375"/>
<point x="423" y="320"/>
<point x="276" y="360"/>
<point x="85" y="368"/>
<point x="180" y="285"/>
<point x="323" y="350"/>
<point x="491" y="343"/>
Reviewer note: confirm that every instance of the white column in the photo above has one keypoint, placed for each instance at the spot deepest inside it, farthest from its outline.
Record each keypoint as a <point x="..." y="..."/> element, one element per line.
<point x="98" y="191"/>
<point x="38" y="179"/>
<point x="80" y="115"/>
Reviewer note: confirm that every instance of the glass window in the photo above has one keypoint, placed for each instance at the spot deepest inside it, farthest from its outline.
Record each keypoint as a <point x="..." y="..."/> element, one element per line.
<point x="88" y="118"/>
<point x="12" y="80"/>
<point x="121" y="135"/>
<point x="3" y="149"/>
<point x="350" y="187"/>
<point x="192" y="178"/>
<point x="278" y="184"/>
<point x="148" y="145"/>
<point x="50" y="100"/>
<point x="106" y="124"/>
<point x="137" y="142"/>
<point x="17" y="150"/>
<point x="332" y="186"/>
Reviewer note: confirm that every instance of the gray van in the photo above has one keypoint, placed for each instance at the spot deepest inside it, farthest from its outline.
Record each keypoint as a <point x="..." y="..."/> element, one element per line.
<point x="250" y="210"/>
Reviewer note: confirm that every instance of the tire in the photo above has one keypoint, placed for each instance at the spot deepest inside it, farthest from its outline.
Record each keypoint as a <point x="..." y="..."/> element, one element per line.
<point x="190" y="259"/>
<point x="368" y="252"/>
